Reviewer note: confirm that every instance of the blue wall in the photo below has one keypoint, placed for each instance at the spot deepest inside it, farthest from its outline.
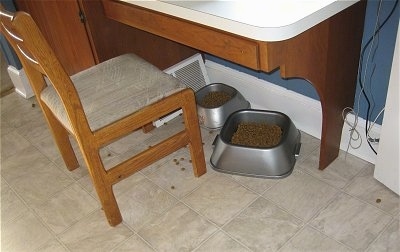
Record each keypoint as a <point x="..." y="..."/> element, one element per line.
<point x="379" y="66"/>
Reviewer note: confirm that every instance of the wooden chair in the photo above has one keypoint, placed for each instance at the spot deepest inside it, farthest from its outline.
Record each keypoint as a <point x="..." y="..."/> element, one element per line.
<point x="102" y="104"/>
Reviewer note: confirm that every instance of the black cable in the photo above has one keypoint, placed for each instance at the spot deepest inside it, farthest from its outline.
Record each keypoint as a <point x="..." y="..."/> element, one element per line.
<point x="360" y="81"/>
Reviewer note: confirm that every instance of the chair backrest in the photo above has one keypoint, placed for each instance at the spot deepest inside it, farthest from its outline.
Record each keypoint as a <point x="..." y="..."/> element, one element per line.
<point x="38" y="61"/>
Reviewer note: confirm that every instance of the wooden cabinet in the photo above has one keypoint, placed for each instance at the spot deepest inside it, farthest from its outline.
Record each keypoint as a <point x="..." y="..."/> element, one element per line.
<point x="82" y="36"/>
<point x="60" y="23"/>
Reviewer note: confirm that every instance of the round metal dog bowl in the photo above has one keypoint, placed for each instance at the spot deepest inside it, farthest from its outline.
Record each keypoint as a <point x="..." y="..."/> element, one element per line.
<point x="272" y="162"/>
<point x="214" y="118"/>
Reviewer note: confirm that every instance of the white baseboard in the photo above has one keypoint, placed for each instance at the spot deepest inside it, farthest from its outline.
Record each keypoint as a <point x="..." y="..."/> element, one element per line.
<point x="20" y="82"/>
<point x="305" y="112"/>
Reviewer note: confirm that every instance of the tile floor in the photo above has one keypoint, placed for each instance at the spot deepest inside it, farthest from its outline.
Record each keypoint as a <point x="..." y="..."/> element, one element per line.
<point x="44" y="207"/>
<point x="6" y="85"/>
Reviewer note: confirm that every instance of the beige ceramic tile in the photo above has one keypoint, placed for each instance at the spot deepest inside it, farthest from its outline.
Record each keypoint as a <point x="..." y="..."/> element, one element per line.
<point x="29" y="177"/>
<point x="208" y="137"/>
<point x="11" y="205"/>
<point x="364" y="186"/>
<point x="156" y="165"/>
<point x="219" y="199"/>
<point x="26" y="233"/>
<point x="263" y="226"/>
<point x="257" y="185"/>
<point x="310" y="239"/>
<point x="130" y="141"/>
<point x="221" y="242"/>
<point x="143" y="202"/>
<point x="389" y="240"/>
<point x="308" y="145"/>
<point x="176" y="175"/>
<point x="170" y="128"/>
<point x="35" y="130"/>
<point x="12" y="143"/>
<point x="351" y="221"/>
<point x="66" y="208"/>
<point x="20" y="113"/>
<point x="109" y="160"/>
<point x="135" y="243"/>
<point x="93" y="233"/>
<point x="119" y="188"/>
<point x="86" y="183"/>
<point x="48" y="147"/>
<point x="18" y="165"/>
<point x="14" y="100"/>
<point x="339" y="173"/>
<point x="76" y="174"/>
<point x="180" y="229"/>
<point x="301" y="194"/>
<point x="33" y="176"/>
<point x="5" y="128"/>
<point x="52" y="246"/>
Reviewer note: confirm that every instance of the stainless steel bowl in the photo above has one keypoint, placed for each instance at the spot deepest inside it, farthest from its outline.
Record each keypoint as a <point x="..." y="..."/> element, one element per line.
<point x="273" y="162"/>
<point x="214" y="118"/>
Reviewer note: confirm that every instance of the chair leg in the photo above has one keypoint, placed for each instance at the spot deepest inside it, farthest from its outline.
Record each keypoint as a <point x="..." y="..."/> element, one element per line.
<point x="109" y="204"/>
<point x="193" y="129"/>
<point x="148" y="127"/>
<point x="61" y="137"/>
<point x="103" y="188"/>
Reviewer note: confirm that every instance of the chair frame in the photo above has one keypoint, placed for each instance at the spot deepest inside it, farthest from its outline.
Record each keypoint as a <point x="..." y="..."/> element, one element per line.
<point x="39" y="60"/>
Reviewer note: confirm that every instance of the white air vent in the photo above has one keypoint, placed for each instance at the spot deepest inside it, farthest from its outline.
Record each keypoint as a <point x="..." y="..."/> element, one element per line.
<point x="192" y="73"/>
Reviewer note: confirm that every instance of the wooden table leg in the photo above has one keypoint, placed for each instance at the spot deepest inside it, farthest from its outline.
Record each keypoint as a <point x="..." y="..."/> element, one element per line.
<point x="326" y="55"/>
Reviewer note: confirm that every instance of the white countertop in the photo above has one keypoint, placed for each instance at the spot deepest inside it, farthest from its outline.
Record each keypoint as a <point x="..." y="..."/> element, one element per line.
<point x="265" y="20"/>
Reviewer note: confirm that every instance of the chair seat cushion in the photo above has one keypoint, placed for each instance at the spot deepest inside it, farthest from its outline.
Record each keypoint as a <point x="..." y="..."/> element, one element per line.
<point x="114" y="89"/>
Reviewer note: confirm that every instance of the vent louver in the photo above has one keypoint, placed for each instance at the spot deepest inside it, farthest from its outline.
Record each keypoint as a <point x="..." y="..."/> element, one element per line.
<point x="192" y="73"/>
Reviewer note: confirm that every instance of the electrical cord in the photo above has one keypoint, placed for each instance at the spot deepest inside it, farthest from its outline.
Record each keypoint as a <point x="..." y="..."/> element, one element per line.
<point x="369" y="138"/>
<point x="355" y="135"/>
<point x="361" y="59"/>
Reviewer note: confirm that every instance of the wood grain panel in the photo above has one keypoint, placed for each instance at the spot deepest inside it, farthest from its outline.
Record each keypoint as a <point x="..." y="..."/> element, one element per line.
<point x="230" y="47"/>
<point x="60" y="24"/>
<point x="111" y="38"/>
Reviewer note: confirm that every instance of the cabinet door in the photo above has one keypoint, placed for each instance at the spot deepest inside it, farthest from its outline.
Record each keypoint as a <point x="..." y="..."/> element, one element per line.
<point x="60" y="23"/>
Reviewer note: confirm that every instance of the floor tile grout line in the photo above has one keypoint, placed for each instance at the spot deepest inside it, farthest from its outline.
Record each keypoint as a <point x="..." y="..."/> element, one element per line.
<point x="319" y="231"/>
<point x="58" y="236"/>
<point x="317" y="211"/>
<point x="176" y="197"/>
<point x="346" y="186"/>
<point x="292" y="237"/>
<point x="19" y="197"/>
<point x="32" y="210"/>
<point x="382" y="232"/>
<point x="215" y="233"/>
<point x="205" y="240"/>
<point x="338" y="194"/>
<point x="219" y="228"/>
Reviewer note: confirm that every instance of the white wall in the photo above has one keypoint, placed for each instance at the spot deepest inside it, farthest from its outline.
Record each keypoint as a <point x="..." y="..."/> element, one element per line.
<point x="387" y="167"/>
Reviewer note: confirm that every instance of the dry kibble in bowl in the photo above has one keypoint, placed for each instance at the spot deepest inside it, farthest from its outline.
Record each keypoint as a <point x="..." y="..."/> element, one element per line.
<point x="215" y="99"/>
<point x="254" y="134"/>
